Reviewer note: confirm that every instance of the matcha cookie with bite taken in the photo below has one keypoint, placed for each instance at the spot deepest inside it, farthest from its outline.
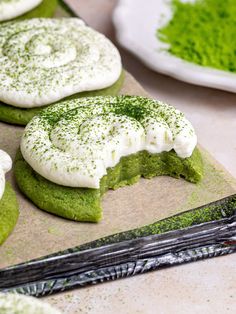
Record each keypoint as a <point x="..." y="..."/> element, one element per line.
<point x="74" y="151"/>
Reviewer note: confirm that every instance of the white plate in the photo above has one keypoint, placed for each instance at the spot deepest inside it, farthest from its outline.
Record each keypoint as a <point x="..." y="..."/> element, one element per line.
<point x="136" y="22"/>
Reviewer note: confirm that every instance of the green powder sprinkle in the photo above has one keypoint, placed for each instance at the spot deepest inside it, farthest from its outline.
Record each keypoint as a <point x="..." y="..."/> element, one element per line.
<point x="203" y="32"/>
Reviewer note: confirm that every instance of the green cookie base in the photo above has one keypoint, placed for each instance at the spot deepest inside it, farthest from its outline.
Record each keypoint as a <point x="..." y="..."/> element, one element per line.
<point x="46" y="8"/>
<point x="84" y="204"/>
<point x="9" y="212"/>
<point x="21" y="116"/>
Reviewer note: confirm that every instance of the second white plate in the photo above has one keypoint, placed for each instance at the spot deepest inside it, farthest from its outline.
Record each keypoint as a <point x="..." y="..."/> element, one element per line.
<point x="136" y="22"/>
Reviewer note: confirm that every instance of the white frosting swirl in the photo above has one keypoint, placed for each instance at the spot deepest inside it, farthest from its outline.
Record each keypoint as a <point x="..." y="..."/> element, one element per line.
<point x="10" y="9"/>
<point x="45" y="60"/>
<point x="5" y="166"/>
<point x="73" y="143"/>
<point x="16" y="303"/>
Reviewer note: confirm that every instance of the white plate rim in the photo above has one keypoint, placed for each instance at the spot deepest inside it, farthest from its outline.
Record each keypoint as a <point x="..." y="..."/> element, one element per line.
<point x="167" y="64"/>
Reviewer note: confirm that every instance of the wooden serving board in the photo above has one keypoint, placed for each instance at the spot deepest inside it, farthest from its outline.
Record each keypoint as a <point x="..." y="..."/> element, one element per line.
<point x="39" y="233"/>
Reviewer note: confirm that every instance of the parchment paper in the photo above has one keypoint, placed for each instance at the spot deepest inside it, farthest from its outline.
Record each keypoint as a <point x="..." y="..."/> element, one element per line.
<point x="39" y="233"/>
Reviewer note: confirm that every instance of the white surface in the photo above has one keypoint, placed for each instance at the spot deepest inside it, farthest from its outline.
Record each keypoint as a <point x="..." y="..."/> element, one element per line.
<point x="13" y="8"/>
<point x="67" y="157"/>
<point x="136" y="23"/>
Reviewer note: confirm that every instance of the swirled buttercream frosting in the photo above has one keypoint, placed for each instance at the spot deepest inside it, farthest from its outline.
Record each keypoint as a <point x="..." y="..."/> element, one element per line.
<point x="45" y="60"/>
<point x="10" y="9"/>
<point x="5" y="166"/>
<point x="74" y="142"/>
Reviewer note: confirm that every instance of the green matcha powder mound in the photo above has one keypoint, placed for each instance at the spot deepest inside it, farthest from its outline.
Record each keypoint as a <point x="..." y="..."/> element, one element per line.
<point x="203" y="32"/>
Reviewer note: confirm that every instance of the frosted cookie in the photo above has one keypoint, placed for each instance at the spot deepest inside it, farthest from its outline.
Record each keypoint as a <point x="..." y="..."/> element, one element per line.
<point x="8" y="203"/>
<point x="20" y="304"/>
<point x="43" y="61"/>
<point x="23" y="9"/>
<point x="76" y="150"/>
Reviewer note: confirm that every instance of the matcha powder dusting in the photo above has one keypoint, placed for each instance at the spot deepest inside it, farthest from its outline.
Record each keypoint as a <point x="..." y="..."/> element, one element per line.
<point x="203" y="32"/>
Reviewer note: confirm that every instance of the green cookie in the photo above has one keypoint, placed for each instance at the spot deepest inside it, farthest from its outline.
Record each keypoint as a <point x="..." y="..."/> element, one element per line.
<point x="21" y="116"/>
<point x="8" y="212"/>
<point x="84" y="204"/>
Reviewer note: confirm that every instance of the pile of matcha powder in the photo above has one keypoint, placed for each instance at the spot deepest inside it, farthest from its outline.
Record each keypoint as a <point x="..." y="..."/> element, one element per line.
<point x="203" y="32"/>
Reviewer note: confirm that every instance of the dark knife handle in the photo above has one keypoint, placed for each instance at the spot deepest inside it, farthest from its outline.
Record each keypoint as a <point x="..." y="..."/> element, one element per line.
<point x="66" y="271"/>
